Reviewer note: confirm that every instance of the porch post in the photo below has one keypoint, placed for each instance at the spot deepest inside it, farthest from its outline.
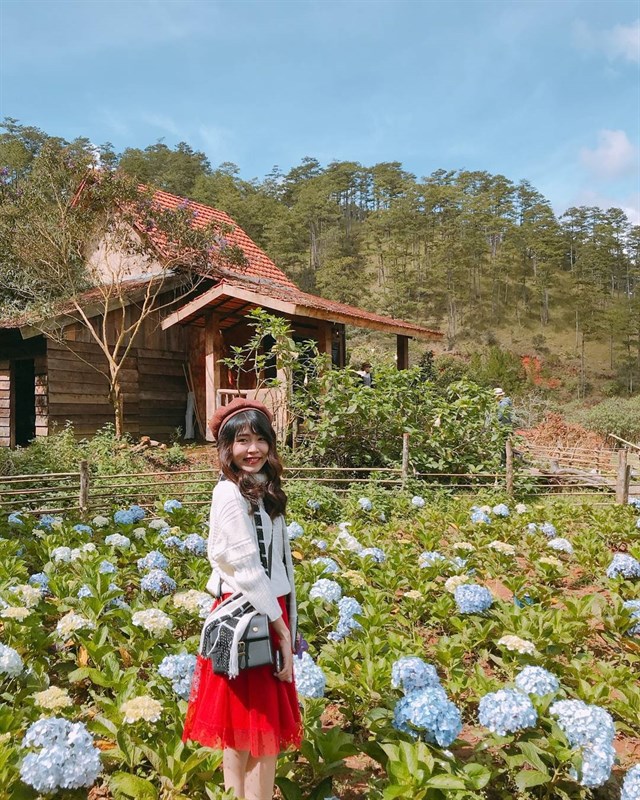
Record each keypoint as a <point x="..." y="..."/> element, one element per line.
<point x="402" y="350"/>
<point x="325" y="339"/>
<point x="212" y="372"/>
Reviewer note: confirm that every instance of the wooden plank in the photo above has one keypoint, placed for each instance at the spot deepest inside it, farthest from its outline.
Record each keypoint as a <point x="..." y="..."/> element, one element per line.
<point x="156" y="366"/>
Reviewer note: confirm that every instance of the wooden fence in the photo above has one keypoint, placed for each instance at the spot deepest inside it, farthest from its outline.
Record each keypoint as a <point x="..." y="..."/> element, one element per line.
<point x="528" y="471"/>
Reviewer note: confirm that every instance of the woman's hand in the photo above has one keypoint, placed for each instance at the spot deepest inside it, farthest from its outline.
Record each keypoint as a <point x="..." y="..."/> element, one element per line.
<point x="284" y="645"/>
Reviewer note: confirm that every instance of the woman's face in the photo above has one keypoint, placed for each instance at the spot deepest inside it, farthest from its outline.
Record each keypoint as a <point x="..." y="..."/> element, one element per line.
<point x="250" y="451"/>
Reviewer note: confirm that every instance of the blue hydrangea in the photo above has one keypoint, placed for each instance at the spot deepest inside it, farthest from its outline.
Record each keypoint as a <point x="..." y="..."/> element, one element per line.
<point x="479" y="516"/>
<point x="314" y="505"/>
<point x="417" y="501"/>
<point x="11" y="664"/>
<point x="118" y="540"/>
<point x="106" y="568"/>
<point x="84" y="591"/>
<point x="83" y="529"/>
<point x="430" y="715"/>
<point x="158" y="583"/>
<point x="623" y="566"/>
<point x="506" y="711"/>
<point x="536" y="680"/>
<point x="430" y="558"/>
<point x="348" y="607"/>
<point x="561" y="544"/>
<point x="172" y="542"/>
<point x="471" y="598"/>
<point x="325" y="589"/>
<point x="179" y="670"/>
<point x="501" y="510"/>
<point x="194" y="543"/>
<point x="153" y="560"/>
<point x="47" y="521"/>
<point x="40" y="579"/>
<point x="638" y="523"/>
<point x="532" y="527"/>
<point x="374" y="553"/>
<point x="330" y="566"/>
<point x="412" y="674"/>
<point x="635" y="502"/>
<point x="138" y="512"/>
<point x="634" y="607"/>
<point x="15" y="518"/>
<point x="124" y="516"/>
<point x="320" y="544"/>
<point x="65" y="756"/>
<point x="172" y="505"/>
<point x="548" y="529"/>
<point x="309" y="677"/>
<point x="294" y="530"/>
<point x="589" y="729"/>
<point x="365" y="504"/>
<point x="631" y="784"/>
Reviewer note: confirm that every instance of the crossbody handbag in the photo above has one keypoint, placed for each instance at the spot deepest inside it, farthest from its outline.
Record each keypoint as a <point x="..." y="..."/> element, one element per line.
<point x="235" y="636"/>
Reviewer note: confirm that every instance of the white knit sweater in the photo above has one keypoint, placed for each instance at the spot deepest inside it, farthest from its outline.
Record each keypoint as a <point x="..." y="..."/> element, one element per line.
<point x="233" y="551"/>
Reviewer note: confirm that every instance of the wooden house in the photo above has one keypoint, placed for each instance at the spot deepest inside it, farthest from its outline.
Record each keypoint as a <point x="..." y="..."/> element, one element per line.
<point x="47" y="380"/>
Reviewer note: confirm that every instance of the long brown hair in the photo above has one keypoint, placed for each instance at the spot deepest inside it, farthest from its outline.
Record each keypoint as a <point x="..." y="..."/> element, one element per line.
<point x="270" y="491"/>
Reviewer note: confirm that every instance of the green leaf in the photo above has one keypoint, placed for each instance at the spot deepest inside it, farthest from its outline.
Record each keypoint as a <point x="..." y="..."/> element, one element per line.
<point x="531" y="777"/>
<point x="446" y="782"/>
<point x="289" y="789"/>
<point x="123" y="785"/>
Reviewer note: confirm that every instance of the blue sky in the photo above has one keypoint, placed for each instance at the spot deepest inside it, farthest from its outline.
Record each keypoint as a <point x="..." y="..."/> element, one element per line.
<point x="548" y="91"/>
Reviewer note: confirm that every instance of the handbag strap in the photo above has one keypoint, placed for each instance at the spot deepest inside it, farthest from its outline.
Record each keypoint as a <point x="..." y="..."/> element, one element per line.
<point x="265" y="558"/>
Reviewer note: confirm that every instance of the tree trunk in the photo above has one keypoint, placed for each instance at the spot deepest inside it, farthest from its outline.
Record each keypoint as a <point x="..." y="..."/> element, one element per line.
<point x="116" y="396"/>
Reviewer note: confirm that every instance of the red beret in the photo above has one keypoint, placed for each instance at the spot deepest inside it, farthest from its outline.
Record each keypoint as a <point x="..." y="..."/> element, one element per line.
<point x="237" y="405"/>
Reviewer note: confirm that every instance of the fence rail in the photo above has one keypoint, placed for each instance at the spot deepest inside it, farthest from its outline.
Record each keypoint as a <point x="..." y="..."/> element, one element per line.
<point x="63" y="491"/>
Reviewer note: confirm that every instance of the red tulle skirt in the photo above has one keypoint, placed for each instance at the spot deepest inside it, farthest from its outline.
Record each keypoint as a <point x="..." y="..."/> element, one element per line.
<point x="254" y="712"/>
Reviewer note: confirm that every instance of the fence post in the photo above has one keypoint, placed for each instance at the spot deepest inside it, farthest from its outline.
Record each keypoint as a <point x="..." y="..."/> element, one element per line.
<point x="405" y="458"/>
<point x="84" y="485"/>
<point x="509" y="466"/>
<point x="624" y="476"/>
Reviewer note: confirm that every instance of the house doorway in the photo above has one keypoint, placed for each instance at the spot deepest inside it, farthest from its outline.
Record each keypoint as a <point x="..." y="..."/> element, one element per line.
<point x="24" y="382"/>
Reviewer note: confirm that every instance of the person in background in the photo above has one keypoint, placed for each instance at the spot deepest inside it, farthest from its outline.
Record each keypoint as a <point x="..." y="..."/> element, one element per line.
<point x="505" y="407"/>
<point x="365" y="374"/>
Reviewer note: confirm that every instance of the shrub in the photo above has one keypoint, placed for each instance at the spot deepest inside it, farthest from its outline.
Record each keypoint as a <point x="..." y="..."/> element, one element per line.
<point x="618" y="416"/>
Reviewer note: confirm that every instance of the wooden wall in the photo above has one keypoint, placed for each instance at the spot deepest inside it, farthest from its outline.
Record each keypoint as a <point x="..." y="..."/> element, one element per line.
<point x="5" y="403"/>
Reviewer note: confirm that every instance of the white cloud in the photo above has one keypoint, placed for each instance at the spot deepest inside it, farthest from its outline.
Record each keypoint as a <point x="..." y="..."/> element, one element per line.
<point x="629" y="204"/>
<point x="614" y="157"/>
<point x="163" y="123"/>
<point x="619" y="42"/>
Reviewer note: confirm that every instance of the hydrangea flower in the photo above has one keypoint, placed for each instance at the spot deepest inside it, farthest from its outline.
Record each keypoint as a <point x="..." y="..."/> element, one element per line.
<point x="635" y="502"/>
<point x="84" y="591"/>
<point x="374" y="553"/>
<point x="479" y="516"/>
<point x="11" y="664"/>
<point x="159" y="524"/>
<point x="428" y="714"/>
<point x="348" y="607"/>
<point x="194" y="543"/>
<point x="536" y="680"/>
<point x="561" y="544"/>
<point x="548" y="529"/>
<point x="452" y="583"/>
<point x="179" y="670"/>
<point x="158" y="583"/>
<point x="430" y="558"/>
<point x="310" y="679"/>
<point x="153" y="560"/>
<point x="65" y="756"/>
<point x="346" y="540"/>
<point x="501" y="510"/>
<point x="139" y="533"/>
<point x="466" y="546"/>
<point x="174" y="542"/>
<point x="294" y="530"/>
<point x="124" y="516"/>
<point x="118" y="540"/>
<point x="417" y="501"/>
<point x="623" y="566"/>
<point x="15" y="518"/>
<point x="517" y="645"/>
<point x="53" y="698"/>
<point x="325" y="589"/>
<point x="64" y="555"/>
<point x="365" y="504"/>
<point x="634" y="608"/>
<point x="83" y="529"/>
<point x="320" y="544"/>
<point x="330" y="566"/>
<point x="106" y="568"/>
<point x="590" y="729"/>
<point x="521" y="508"/>
<point x="532" y="527"/>
<point x="502" y="547"/>
<point x="30" y="595"/>
<point x="172" y="505"/>
<point x="194" y="602"/>
<point x="47" y="521"/>
<point x="100" y="521"/>
<point x="314" y="505"/>
<point x="506" y="711"/>
<point x="72" y="622"/>
<point x="471" y="598"/>
<point x="631" y="784"/>
<point x="139" y="708"/>
<point x="153" y="620"/>
<point x="40" y="579"/>
<point x="412" y="674"/>
<point x="138" y="513"/>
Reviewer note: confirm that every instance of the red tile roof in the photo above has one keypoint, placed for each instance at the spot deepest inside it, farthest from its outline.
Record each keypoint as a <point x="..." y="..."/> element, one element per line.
<point x="259" y="265"/>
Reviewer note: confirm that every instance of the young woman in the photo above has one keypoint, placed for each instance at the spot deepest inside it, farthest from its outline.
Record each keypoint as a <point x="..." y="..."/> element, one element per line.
<point x="254" y="716"/>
